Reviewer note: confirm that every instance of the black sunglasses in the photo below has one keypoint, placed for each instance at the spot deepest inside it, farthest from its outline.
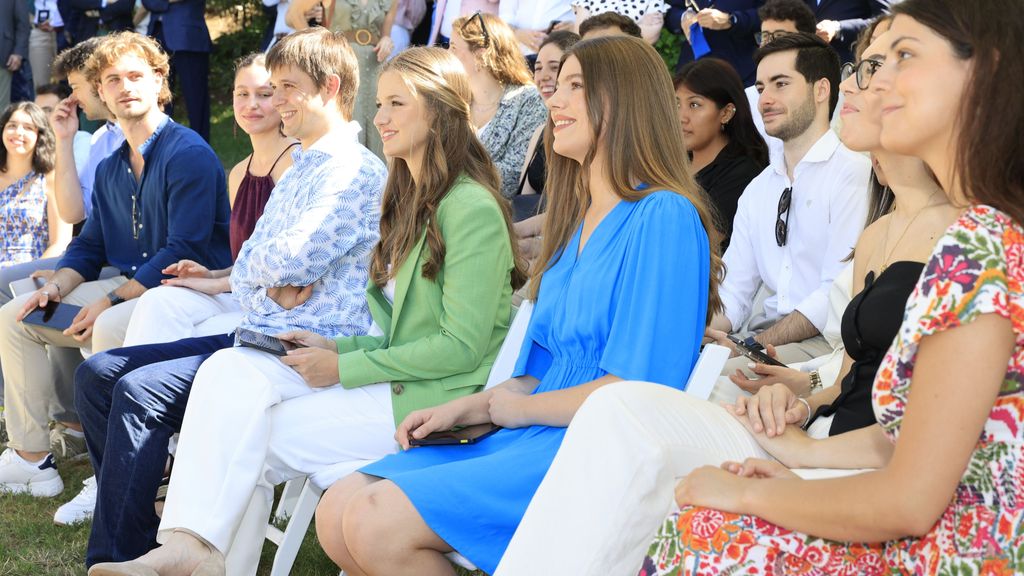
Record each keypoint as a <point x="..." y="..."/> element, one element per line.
<point x="782" y="226"/>
<point x="863" y="71"/>
<point x="763" y="38"/>
<point x="478" y="16"/>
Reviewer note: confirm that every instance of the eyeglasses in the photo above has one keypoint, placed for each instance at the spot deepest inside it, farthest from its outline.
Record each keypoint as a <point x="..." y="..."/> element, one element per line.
<point x="479" y="17"/>
<point x="763" y="38"/>
<point x="863" y="71"/>
<point x="782" y="226"/>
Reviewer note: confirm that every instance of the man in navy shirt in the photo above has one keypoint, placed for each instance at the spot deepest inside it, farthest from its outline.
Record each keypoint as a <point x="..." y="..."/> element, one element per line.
<point x="158" y="199"/>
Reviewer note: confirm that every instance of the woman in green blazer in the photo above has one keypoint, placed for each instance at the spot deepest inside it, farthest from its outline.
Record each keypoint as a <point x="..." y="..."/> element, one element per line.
<point x="444" y="271"/>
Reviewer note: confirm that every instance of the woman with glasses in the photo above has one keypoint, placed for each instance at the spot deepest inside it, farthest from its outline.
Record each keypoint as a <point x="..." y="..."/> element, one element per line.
<point x="366" y="24"/>
<point x="506" y="107"/>
<point x="726" y="152"/>
<point x="944" y="495"/>
<point x="680" y="433"/>
<point x="629" y="284"/>
<point x="30" y="228"/>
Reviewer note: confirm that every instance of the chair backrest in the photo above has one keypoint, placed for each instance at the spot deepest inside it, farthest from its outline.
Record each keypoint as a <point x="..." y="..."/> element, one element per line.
<point x="25" y="286"/>
<point x="707" y="370"/>
<point x="505" y="363"/>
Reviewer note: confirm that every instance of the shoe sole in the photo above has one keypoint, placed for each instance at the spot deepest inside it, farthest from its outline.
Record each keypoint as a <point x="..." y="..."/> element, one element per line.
<point x="73" y="521"/>
<point x="45" y="489"/>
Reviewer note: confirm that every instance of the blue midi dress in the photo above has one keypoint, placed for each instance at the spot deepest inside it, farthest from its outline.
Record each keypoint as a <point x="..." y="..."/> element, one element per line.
<point x="632" y="304"/>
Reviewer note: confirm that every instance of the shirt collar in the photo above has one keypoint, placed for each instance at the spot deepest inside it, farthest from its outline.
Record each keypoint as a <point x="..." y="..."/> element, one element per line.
<point x="821" y="151"/>
<point x="335" y="141"/>
<point x="144" y="149"/>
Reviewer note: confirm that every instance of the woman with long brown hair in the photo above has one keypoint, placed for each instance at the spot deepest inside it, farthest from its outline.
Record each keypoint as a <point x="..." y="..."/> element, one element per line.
<point x="944" y="497"/>
<point x="628" y="287"/>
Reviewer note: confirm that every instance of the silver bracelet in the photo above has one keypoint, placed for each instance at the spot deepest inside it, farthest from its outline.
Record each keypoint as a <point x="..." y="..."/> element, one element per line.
<point x="808" y="406"/>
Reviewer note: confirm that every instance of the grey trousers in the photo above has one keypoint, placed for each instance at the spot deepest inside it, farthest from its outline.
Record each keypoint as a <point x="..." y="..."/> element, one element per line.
<point x="5" y="87"/>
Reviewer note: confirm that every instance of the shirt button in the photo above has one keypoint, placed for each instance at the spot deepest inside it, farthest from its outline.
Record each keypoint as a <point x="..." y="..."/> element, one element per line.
<point x="140" y="226"/>
<point x="397" y="389"/>
<point x="144" y="255"/>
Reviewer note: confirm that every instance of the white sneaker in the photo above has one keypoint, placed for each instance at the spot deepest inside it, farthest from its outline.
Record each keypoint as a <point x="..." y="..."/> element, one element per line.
<point x="21" y="477"/>
<point x="80" y="508"/>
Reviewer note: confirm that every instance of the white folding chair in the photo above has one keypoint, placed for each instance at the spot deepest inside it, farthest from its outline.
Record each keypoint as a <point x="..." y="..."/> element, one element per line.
<point x="707" y="370"/>
<point x="300" y="496"/>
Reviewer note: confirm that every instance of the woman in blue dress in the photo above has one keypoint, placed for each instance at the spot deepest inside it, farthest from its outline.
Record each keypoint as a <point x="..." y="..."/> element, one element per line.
<point x="627" y="291"/>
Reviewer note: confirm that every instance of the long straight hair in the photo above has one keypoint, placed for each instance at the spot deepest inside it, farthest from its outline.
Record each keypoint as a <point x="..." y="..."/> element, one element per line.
<point x="437" y="79"/>
<point x="988" y="161"/>
<point x="641" y="145"/>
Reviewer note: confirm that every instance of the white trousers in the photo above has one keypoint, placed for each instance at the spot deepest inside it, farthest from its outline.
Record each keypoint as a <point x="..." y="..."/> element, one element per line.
<point x="613" y="481"/>
<point x="252" y="422"/>
<point x="170" y="313"/>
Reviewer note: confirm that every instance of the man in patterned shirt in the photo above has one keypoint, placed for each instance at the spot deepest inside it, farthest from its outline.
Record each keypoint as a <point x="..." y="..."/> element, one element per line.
<point x="305" y="266"/>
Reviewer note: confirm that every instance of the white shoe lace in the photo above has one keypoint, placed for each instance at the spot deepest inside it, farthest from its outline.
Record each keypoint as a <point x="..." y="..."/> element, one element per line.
<point x="88" y="493"/>
<point x="57" y="439"/>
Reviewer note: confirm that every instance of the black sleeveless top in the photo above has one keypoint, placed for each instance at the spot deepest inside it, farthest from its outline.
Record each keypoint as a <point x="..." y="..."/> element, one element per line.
<point x="870" y="324"/>
<point x="525" y="206"/>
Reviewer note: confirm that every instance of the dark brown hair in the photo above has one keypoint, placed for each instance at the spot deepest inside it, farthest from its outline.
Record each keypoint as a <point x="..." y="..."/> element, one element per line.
<point x="988" y="163"/>
<point x="318" y="53"/>
<point x="815" y="60"/>
<point x="46" y="144"/>
<point x="611" y="20"/>
<point x="795" y="11"/>
<point x="718" y="81"/>
<point x="438" y="80"/>
<point x="74" y="59"/>
<point x="117" y="45"/>
<point x="624" y="75"/>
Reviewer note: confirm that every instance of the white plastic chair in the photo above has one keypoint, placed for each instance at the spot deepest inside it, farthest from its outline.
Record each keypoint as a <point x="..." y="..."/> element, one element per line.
<point x="707" y="370"/>
<point x="301" y="496"/>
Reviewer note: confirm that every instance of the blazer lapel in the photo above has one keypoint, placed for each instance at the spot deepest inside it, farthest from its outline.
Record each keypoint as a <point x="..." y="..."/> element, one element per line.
<point x="404" y="277"/>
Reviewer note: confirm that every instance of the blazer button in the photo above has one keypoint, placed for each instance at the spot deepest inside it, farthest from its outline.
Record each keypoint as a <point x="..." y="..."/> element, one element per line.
<point x="397" y="389"/>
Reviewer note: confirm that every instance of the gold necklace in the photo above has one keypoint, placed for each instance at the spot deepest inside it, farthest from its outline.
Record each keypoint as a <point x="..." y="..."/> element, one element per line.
<point x="885" y="245"/>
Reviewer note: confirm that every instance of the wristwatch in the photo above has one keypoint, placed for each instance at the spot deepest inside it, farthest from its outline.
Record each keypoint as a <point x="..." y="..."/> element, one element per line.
<point x="114" y="298"/>
<point x="815" y="382"/>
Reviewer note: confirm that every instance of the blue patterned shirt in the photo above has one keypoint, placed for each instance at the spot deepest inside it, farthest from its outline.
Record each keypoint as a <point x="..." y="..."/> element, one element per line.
<point x="319" y="227"/>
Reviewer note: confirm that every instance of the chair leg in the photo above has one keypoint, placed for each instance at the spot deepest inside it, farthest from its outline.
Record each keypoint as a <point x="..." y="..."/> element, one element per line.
<point x="298" y="524"/>
<point x="289" y="496"/>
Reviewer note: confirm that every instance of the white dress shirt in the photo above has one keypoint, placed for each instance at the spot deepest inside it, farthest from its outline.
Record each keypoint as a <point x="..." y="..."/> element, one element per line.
<point x="534" y="15"/>
<point x="826" y="216"/>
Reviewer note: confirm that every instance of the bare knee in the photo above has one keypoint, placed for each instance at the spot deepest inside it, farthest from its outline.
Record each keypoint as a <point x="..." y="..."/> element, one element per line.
<point x="330" y="514"/>
<point x="366" y="523"/>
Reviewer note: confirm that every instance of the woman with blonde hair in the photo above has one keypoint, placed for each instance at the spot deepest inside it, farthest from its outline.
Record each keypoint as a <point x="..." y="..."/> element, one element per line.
<point x="628" y="287"/>
<point x="506" y="107"/>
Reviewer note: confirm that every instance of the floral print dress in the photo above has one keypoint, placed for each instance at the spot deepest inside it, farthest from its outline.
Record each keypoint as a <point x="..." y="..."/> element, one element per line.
<point x="24" y="228"/>
<point x="977" y="268"/>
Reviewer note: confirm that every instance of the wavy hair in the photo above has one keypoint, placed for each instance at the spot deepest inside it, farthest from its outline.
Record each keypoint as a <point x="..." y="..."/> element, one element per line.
<point x="626" y="75"/>
<point x="45" y="152"/>
<point x="497" y="50"/>
<point x="114" y="46"/>
<point x="437" y="79"/>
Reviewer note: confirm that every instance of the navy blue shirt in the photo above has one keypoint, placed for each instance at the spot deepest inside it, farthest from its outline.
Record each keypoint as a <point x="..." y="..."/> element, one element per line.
<point x="735" y="45"/>
<point x="181" y="210"/>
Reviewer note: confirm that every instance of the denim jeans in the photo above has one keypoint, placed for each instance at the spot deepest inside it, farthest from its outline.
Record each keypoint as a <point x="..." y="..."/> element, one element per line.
<point x="131" y="401"/>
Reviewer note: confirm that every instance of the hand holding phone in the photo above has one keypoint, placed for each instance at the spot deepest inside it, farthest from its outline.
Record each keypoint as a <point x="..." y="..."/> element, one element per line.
<point x="269" y="344"/>
<point x="754" y="351"/>
<point x="462" y="436"/>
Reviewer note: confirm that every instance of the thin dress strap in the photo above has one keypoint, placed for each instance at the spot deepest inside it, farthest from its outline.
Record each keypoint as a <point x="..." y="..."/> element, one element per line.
<point x="281" y="155"/>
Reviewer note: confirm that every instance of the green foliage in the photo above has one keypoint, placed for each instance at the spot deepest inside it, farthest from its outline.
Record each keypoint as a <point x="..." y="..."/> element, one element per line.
<point x="241" y="41"/>
<point x="669" y="45"/>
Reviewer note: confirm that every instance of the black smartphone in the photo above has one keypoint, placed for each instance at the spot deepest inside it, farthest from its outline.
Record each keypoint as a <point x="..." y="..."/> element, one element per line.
<point x="252" y="339"/>
<point x="54" y="315"/>
<point x="754" y="351"/>
<point x="467" y="435"/>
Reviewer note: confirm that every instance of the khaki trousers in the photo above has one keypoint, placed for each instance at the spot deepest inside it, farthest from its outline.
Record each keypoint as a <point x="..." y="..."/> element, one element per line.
<point x="29" y="379"/>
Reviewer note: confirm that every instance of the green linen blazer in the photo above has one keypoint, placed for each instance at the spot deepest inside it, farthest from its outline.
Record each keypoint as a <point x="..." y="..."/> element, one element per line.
<point x="440" y="337"/>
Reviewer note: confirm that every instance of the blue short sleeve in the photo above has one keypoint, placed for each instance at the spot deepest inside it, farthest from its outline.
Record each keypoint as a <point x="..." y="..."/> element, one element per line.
<point x="658" y="321"/>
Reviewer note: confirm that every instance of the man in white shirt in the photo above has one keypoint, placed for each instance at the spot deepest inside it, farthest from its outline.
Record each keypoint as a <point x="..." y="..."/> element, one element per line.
<point x="799" y="219"/>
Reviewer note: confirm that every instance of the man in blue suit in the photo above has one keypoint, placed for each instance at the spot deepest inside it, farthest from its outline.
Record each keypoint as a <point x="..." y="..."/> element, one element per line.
<point x="840" y="21"/>
<point x="180" y="27"/>
<point x="728" y="26"/>
<point x="14" y="27"/>
<point x="89" y="17"/>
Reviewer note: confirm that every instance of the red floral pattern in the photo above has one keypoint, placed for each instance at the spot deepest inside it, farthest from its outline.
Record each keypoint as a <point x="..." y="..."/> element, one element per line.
<point x="977" y="268"/>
